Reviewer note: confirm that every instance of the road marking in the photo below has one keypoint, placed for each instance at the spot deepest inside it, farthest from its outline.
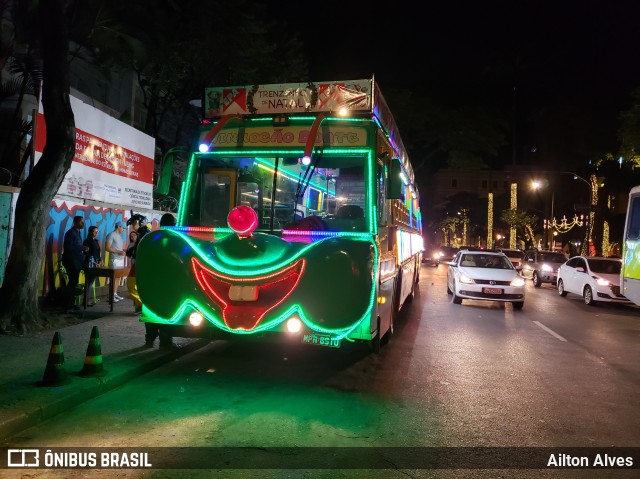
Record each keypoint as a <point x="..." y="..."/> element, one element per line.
<point x="550" y="331"/>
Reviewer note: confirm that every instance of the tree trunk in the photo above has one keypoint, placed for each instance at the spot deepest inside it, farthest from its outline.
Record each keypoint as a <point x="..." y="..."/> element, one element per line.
<point x="20" y="289"/>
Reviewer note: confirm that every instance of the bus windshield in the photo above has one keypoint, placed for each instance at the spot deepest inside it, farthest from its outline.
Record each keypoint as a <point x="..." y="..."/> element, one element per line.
<point x="333" y="191"/>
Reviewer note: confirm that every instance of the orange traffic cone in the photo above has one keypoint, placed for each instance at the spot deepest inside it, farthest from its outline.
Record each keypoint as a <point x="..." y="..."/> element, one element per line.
<point x="54" y="373"/>
<point x="93" y="360"/>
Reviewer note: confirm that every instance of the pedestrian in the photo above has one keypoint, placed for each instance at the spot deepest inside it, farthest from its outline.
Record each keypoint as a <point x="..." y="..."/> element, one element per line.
<point x="115" y="247"/>
<point x="92" y="255"/>
<point x="131" y="277"/>
<point x="136" y="221"/>
<point x="73" y="256"/>
<point x="92" y="258"/>
<point x="133" y="237"/>
<point x="152" y="330"/>
<point x="167" y="219"/>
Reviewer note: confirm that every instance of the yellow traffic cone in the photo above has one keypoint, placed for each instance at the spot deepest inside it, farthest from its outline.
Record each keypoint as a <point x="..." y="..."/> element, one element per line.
<point x="54" y="373"/>
<point x="93" y="360"/>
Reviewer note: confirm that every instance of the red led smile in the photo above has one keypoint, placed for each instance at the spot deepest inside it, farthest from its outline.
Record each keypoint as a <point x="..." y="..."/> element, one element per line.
<point x="245" y="301"/>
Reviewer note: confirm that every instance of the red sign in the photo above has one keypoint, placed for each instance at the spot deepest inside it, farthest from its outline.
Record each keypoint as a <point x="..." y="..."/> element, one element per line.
<point x="103" y="155"/>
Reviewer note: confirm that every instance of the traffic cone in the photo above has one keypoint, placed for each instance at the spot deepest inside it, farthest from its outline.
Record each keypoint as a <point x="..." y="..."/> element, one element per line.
<point x="93" y="360"/>
<point x="54" y="373"/>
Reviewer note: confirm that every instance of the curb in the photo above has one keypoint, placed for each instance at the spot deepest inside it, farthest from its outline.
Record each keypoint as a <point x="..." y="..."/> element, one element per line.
<point x="63" y="398"/>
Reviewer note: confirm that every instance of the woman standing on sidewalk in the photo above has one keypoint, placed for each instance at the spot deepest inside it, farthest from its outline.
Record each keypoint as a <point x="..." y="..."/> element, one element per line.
<point x="115" y="245"/>
<point x="92" y="257"/>
<point x="131" y="278"/>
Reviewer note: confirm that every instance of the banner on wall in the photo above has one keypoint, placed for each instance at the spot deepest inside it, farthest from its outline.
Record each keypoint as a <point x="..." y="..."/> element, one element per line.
<point x="113" y="161"/>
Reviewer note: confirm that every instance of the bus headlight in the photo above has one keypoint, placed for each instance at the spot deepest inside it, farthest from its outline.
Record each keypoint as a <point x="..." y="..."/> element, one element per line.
<point x="294" y="324"/>
<point x="195" y="319"/>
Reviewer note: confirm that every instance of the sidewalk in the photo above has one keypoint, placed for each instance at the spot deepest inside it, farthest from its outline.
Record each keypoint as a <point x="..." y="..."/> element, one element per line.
<point x="23" y="360"/>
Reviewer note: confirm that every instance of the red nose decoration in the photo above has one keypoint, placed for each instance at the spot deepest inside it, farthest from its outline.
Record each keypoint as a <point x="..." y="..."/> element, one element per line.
<point x="243" y="221"/>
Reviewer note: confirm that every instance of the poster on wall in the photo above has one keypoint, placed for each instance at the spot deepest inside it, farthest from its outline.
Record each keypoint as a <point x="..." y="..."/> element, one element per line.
<point x="113" y="161"/>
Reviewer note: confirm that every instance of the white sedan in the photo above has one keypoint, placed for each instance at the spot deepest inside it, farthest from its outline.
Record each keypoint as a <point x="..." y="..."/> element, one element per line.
<point x="485" y="275"/>
<point x="594" y="278"/>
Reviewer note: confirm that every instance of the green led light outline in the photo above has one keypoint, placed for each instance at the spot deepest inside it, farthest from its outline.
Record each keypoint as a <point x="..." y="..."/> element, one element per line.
<point x="295" y="308"/>
<point x="371" y="207"/>
<point x="305" y="118"/>
<point x="234" y="273"/>
<point x="183" y="197"/>
<point x="292" y="151"/>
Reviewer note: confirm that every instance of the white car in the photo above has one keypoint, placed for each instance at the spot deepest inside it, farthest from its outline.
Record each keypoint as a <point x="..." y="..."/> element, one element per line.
<point x="595" y="278"/>
<point x="485" y="275"/>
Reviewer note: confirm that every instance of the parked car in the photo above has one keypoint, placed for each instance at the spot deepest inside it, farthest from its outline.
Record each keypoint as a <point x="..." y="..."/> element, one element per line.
<point x="541" y="266"/>
<point x="485" y="275"/>
<point x="515" y="256"/>
<point x="595" y="278"/>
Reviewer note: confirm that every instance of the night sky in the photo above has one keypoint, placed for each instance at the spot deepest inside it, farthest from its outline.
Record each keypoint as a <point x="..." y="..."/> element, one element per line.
<point x="574" y="63"/>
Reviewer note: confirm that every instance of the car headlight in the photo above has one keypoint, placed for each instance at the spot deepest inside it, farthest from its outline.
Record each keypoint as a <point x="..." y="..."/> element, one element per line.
<point x="466" y="279"/>
<point x="436" y="256"/>
<point x="601" y="281"/>
<point x="517" y="282"/>
<point x="546" y="267"/>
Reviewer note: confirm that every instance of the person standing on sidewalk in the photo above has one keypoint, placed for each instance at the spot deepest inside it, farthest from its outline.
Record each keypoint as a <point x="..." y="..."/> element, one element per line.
<point x="92" y="257"/>
<point x="73" y="255"/>
<point x="131" y="277"/>
<point x="115" y="247"/>
<point x="152" y="330"/>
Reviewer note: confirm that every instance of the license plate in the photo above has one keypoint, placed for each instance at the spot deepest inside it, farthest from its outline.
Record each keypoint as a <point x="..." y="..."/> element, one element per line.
<point x="320" y="340"/>
<point x="492" y="290"/>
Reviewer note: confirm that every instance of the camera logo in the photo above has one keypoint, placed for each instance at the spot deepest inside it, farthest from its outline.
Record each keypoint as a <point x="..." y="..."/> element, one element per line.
<point x="23" y="457"/>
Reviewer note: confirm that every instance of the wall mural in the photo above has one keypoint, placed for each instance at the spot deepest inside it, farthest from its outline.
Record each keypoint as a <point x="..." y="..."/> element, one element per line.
<point x="61" y="219"/>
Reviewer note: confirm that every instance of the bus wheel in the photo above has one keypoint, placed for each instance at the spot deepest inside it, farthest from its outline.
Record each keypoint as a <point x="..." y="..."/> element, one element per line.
<point x="387" y="336"/>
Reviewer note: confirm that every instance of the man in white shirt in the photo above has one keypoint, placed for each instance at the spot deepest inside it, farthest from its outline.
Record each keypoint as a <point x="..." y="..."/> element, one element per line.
<point x="115" y="247"/>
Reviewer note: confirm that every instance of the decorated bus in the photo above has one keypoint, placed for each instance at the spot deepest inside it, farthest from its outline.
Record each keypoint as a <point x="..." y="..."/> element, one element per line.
<point x="299" y="216"/>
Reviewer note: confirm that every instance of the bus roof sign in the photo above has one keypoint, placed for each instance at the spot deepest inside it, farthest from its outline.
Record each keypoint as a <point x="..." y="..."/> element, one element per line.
<point x="358" y="97"/>
<point x="274" y="99"/>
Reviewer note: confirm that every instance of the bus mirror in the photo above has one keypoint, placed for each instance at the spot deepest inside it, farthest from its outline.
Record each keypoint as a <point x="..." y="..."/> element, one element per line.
<point x="164" y="181"/>
<point x="394" y="190"/>
<point x="166" y="171"/>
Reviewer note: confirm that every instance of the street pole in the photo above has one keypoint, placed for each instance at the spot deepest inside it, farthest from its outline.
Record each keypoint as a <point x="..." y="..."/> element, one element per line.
<point x="551" y="224"/>
<point x="514" y="207"/>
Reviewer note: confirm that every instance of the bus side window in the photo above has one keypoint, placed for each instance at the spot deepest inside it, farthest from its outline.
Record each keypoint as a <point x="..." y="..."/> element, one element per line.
<point x="634" y="219"/>
<point x="381" y="190"/>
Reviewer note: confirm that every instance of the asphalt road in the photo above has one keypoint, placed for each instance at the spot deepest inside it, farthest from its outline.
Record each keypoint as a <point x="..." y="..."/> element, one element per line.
<point x="556" y="374"/>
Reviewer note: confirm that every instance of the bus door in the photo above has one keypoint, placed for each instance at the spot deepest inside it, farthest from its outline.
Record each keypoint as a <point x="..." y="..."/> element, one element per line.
<point x="630" y="274"/>
<point x="218" y="195"/>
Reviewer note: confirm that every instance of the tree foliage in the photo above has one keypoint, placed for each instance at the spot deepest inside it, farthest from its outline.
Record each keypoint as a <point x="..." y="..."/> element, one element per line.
<point x="177" y="49"/>
<point x="20" y="287"/>
<point x="629" y="133"/>
<point x="523" y="222"/>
